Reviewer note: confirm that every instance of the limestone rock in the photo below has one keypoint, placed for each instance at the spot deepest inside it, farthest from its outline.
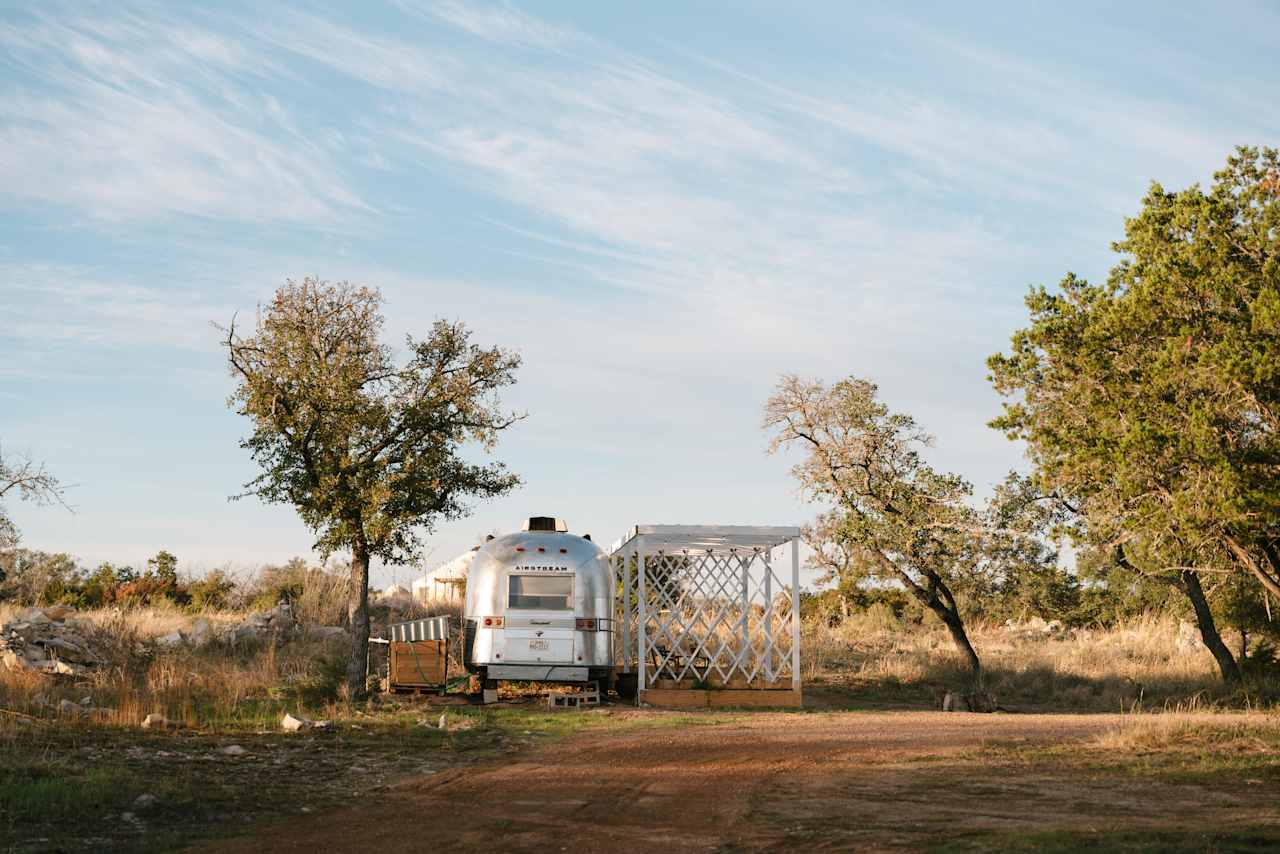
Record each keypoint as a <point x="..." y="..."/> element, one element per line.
<point x="34" y="616"/>
<point x="981" y="701"/>
<point x="290" y="723"/>
<point x="1188" y="639"/>
<point x="257" y="627"/>
<point x="232" y="750"/>
<point x="155" y="720"/>
<point x="171" y="640"/>
<point x="145" y="801"/>
<point x="35" y="641"/>
<point x="201" y="632"/>
<point x="977" y="701"/>
<point x="66" y="707"/>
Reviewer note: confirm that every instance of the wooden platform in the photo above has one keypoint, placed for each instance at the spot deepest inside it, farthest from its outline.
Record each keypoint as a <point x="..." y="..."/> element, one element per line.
<point x="695" y="698"/>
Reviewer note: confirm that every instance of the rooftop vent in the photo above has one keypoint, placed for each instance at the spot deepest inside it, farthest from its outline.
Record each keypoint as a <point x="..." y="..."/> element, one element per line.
<point x="546" y="523"/>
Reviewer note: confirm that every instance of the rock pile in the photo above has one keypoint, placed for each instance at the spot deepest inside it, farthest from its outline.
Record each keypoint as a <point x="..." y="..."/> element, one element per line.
<point x="48" y="640"/>
<point x="277" y="622"/>
<point x="55" y="640"/>
<point x="258" y="627"/>
<point x="976" y="701"/>
<point x="1036" y="628"/>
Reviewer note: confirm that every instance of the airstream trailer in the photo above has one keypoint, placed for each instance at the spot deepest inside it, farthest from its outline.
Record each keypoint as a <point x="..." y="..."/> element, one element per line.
<point x="539" y="608"/>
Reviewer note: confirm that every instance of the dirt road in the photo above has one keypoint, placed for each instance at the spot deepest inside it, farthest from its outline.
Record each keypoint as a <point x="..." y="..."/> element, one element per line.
<point x="764" y="782"/>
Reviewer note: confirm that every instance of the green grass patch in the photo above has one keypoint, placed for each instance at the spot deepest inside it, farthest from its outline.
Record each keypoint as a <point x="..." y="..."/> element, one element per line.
<point x="68" y="787"/>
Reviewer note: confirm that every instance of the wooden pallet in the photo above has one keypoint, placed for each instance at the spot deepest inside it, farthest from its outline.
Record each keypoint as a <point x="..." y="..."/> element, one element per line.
<point x="416" y="690"/>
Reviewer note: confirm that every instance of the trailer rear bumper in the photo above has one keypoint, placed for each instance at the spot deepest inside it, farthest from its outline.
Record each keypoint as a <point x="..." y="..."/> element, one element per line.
<point x="537" y="673"/>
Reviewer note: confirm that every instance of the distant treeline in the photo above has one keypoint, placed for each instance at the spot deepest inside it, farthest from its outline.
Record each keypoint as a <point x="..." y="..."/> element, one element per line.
<point x="30" y="577"/>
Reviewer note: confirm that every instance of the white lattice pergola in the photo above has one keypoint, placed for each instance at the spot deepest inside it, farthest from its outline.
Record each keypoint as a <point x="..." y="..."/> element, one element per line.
<point x="703" y="605"/>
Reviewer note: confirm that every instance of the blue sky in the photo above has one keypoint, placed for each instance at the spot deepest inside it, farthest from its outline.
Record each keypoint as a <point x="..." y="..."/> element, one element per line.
<point x="662" y="207"/>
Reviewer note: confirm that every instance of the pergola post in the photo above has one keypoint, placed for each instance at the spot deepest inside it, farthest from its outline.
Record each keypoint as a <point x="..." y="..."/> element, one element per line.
<point x="768" y="614"/>
<point x="642" y="626"/>
<point x="795" y="614"/>
<point x="626" y="613"/>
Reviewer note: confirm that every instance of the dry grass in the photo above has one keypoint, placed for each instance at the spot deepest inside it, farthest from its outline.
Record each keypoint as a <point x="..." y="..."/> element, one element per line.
<point x="323" y="600"/>
<point x="246" y="685"/>
<point x="870" y="656"/>
<point x="1240" y="735"/>
<point x="1133" y="666"/>
<point x="249" y="684"/>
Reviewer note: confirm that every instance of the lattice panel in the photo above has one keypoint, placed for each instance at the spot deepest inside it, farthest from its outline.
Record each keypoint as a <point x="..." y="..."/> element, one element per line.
<point x="707" y="617"/>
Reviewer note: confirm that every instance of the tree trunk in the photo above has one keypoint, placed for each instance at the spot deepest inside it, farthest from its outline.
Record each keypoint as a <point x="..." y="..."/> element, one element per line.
<point x="961" y="639"/>
<point x="1189" y="583"/>
<point x="945" y="607"/>
<point x="358" y="617"/>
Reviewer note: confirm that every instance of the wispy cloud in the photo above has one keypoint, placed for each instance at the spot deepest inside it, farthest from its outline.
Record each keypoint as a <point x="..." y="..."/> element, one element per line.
<point x="499" y="23"/>
<point x="48" y="306"/>
<point x="660" y="226"/>
<point x="134" y="119"/>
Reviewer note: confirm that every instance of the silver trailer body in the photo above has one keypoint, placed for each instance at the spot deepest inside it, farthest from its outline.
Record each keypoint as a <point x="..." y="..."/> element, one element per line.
<point x="539" y="608"/>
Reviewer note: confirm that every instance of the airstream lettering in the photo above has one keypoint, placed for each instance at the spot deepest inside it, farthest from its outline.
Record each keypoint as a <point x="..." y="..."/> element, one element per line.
<point x="530" y="616"/>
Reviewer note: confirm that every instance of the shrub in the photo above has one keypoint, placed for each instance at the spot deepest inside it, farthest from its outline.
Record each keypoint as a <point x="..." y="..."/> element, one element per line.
<point x="275" y="584"/>
<point x="211" y="593"/>
<point x="28" y="576"/>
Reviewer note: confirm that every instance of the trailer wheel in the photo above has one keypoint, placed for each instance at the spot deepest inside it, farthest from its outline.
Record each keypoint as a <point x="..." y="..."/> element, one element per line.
<point x="626" y="686"/>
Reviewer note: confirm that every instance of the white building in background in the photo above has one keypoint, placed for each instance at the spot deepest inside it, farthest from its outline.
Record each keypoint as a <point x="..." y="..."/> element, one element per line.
<point x="394" y="595"/>
<point x="447" y="582"/>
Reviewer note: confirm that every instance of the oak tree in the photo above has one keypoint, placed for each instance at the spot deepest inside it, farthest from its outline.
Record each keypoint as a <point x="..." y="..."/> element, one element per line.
<point x="368" y="449"/>
<point x="906" y="523"/>
<point x="1151" y="403"/>
<point x="28" y="480"/>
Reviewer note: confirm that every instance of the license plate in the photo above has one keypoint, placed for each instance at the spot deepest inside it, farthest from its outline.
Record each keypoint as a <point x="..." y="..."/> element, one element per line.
<point x="539" y="645"/>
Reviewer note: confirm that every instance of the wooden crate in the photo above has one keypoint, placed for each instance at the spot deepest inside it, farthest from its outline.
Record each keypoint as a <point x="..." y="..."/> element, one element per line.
<point x="418" y="663"/>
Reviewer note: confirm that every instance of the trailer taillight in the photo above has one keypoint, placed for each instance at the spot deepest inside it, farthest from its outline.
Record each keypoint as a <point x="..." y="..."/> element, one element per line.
<point x="585" y="623"/>
<point x="493" y="622"/>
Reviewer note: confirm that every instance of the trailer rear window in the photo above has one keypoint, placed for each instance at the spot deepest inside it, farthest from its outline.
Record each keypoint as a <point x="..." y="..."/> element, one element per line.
<point x="540" y="592"/>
